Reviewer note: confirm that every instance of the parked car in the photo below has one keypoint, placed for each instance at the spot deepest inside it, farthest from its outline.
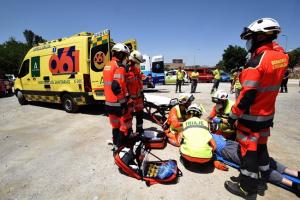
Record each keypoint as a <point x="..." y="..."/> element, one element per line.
<point x="10" y="77"/>
<point x="6" y="85"/>
<point x="205" y="75"/>
<point x="148" y="82"/>
<point x="170" y="77"/>
<point x="225" y="77"/>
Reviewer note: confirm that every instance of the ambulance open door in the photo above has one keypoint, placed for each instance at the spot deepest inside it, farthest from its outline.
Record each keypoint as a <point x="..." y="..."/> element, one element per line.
<point x="100" y="55"/>
<point x="132" y="44"/>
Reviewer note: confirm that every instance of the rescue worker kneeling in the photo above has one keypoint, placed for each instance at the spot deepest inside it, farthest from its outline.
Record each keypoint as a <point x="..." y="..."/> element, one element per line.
<point x="219" y="115"/>
<point x="177" y="115"/>
<point x="197" y="144"/>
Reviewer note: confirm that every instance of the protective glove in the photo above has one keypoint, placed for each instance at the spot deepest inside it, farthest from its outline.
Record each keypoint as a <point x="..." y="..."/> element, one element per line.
<point x="221" y="166"/>
<point x="124" y="107"/>
<point x="115" y="87"/>
<point x="217" y="120"/>
<point x="231" y="121"/>
<point x="165" y="126"/>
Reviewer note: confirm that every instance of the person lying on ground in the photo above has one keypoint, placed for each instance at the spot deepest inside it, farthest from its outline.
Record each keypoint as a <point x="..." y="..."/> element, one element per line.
<point x="229" y="150"/>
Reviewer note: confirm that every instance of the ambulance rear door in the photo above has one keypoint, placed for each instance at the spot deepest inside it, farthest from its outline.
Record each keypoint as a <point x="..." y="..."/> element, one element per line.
<point x="100" y="55"/>
<point x="132" y="44"/>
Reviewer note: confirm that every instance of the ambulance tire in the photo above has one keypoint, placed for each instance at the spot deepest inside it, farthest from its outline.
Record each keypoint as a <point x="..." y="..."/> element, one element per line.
<point x="69" y="104"/>
<point x="21" y="98"/>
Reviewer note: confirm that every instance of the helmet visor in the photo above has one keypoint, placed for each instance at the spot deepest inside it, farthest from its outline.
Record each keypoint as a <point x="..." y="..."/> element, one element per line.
<point x="246" y="34"/>
<point x="217" y="100"/>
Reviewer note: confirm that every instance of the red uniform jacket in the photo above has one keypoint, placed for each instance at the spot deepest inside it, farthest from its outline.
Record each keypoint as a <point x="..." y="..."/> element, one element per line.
<point x="114" y="74"/>
<point x="255" y="106"/>
<point x="134" y="82"/>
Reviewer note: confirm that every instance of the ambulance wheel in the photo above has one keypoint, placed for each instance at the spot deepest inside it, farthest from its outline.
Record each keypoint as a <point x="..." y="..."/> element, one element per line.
<point x="69" y="104"/>
<point x="21" y="98"/>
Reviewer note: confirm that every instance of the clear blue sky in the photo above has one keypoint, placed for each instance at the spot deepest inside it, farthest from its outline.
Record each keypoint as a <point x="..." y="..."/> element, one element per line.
<point x="191" y="30"/>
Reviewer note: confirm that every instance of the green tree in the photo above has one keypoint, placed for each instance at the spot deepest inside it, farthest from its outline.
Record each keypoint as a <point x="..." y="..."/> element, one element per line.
<point x="32" y="39"/>
<point x="294" y="58"/>
<point x="233" y="57"/>
<point x="12" y="53"/>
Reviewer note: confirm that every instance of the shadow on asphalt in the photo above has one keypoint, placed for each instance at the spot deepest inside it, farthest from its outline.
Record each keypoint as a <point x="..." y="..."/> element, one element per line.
<point x="94" y="109"/>
<point x="206" y="168"/>
<point x="7" y="95"/>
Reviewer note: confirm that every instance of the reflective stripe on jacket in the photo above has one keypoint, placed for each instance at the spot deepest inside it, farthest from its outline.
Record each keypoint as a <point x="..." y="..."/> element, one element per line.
<point x="196" y="138"/>
<point x="175" y="118"/>
<point x="237" y="84"/>
<point x="179" y="75"/>
<point x="134" y="82"/>
<point x="225" y="128"/>
<point x="261" y="80"/>
<point x="112" y="71"/>
<point x="217" y="74"/>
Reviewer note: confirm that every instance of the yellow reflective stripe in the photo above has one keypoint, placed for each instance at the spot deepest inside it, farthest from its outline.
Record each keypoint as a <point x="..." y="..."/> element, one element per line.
<point x="107" y="83"/>
<point x="119" y="76"/>
<point x="196" y="126"/>
<point x="139" y="125"/>
<point x="265" y="133"/>
<point x="117" y="104"/>
<point x="244" y="138"/>
<point x="269" y="88"/>
<point x="233" y="116"/>
<point x="253" y="139"/>
<point x="250" y="83"/>
<point x="115" y="121"/>
<point x="264" y="167"/>
<point x="250" y="174"/>
<point x="122" y="100"/>
<point x="241" y="136"/>
<point x="257" y="118"/>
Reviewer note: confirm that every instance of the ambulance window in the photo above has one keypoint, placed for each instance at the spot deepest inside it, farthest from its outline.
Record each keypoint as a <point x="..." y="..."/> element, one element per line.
<point x="24" y="69"/>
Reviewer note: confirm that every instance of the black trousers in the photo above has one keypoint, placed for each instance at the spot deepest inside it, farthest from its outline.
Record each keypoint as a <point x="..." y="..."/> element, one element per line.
<point x="251" y="163"/>
<point x="194" y="85"/>
<point x="178" y="85"/>
<point x="139" y="120"/>
<point x="284" y="85"/>
<point x="216" y="85"/>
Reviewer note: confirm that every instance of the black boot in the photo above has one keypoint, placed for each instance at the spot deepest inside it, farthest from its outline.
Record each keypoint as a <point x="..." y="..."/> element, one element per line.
<point x="296" y="187"/>
<point x="235" y="179"/>
<point x="140" y="131"/>
<point x="235" y="189"/>
<point x="261" y="187"/>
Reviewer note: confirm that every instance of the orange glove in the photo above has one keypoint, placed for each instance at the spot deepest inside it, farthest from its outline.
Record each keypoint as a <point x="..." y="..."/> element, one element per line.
<point x="221" y="166"/>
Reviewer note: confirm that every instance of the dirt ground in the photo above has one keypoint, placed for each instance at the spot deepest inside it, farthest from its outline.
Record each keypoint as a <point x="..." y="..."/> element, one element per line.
<point x="46" y="153"/>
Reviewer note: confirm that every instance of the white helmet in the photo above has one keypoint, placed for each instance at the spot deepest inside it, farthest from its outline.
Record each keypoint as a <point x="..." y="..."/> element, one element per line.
<point x="184" y="98"/>
<point x="119" y="47"/>
<point x="195" y="110"/>
<point x="136" y="57"/>
<point x="220" y="96"/>
<point x="261" y="25"/>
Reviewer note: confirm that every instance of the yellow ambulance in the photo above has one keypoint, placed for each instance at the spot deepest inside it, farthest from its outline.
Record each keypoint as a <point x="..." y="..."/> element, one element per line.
<point x="67" y="71"/>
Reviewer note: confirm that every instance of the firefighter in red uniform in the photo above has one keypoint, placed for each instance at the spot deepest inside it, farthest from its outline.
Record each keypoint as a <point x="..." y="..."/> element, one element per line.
<point x="135" y="88"/>
<point x="254" y="109"/>
<point x="116" y="93"/>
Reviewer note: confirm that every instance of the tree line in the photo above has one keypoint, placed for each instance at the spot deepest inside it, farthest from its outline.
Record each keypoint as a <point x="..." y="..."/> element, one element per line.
<point x="12" y="51"/>
<point x="236" y="56"/>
